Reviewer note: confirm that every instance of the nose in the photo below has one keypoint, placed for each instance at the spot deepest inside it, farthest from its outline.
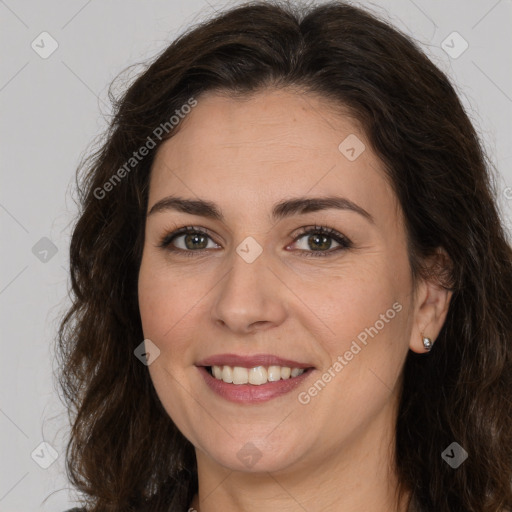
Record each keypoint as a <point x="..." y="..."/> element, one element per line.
<point x="250" y="298"/>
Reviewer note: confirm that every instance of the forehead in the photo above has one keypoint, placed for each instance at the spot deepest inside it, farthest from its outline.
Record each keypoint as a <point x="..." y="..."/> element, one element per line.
<point x="277" y="123"/>
<point x="273" y="144"/>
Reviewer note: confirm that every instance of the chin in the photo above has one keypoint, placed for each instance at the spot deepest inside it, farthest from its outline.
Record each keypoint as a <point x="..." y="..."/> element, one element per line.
<point x="255" y="453"/>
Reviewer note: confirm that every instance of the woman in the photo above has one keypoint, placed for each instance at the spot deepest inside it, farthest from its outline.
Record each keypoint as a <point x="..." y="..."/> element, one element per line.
<point x="292" y="286"/>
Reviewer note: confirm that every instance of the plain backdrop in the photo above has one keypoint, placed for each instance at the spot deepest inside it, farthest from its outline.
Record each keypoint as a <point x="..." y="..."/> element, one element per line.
<point x="52" y="108"/>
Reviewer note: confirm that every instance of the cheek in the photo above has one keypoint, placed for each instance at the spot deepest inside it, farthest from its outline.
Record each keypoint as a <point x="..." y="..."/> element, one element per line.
<point x="354" y="301"/>
<point x="367" y="317"/>
<point x="365" y="356"/>
<point x="165" y="303"/>
<point x="165" y="310"/>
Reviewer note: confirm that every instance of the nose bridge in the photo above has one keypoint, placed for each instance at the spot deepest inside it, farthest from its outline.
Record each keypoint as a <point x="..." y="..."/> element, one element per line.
<point x="249" y="293"/>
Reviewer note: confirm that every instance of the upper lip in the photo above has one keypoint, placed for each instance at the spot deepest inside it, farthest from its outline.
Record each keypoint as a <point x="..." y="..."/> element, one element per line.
<point x="251" y="361"/>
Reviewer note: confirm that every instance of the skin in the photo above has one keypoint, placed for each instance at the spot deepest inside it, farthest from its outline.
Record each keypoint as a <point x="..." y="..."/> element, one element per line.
<point x="334" y="453"/>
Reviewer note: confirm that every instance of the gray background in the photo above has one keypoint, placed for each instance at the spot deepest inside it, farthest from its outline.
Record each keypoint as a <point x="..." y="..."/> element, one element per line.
<point x="51" y="111"/>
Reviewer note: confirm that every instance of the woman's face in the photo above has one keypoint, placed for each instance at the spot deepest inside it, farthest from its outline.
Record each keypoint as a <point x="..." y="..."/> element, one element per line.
<point x="259" y="289"/>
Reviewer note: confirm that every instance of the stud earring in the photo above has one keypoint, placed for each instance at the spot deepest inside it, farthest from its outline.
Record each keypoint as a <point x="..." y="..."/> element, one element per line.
<point x="427" y="343"/>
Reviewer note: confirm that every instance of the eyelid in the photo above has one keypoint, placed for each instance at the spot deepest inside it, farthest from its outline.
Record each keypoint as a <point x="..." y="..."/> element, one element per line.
<point x="342" y="240"/>
<point x="315" y="228"/>
<point x="169" y="237"/>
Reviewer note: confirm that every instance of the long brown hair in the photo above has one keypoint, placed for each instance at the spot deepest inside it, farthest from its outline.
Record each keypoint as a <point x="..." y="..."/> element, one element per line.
<point x="124" y="452"/>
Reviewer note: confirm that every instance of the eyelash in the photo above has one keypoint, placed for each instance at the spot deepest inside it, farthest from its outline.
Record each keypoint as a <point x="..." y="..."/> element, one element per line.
<point x="345" y="243"/>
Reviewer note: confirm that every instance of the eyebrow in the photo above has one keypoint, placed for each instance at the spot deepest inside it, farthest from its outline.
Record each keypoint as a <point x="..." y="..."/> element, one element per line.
<point x="287" y="208"/>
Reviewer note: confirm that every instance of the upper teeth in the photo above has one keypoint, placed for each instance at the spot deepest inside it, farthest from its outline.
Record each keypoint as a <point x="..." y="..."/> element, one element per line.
<point x="257" y="375"/>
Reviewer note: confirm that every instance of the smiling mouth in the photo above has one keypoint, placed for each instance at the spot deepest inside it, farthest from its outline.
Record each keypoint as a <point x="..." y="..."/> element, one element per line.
<point x="256" y="375"/>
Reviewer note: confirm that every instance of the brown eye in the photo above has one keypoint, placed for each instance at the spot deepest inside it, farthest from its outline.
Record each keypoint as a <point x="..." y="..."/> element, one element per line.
<point x="187" y="240"/>
<point x="318" y="241"/>
<point x="194" y="241"/>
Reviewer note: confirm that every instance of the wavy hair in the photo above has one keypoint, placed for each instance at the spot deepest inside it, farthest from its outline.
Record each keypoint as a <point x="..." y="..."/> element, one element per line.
<point x="124" y="451"/>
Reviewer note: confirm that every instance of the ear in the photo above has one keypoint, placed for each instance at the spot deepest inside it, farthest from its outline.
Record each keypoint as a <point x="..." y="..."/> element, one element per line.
<point x="431" y="303"/>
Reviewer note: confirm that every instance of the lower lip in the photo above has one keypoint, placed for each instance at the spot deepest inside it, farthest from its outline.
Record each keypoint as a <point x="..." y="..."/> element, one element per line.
<point x="250" y="393"/>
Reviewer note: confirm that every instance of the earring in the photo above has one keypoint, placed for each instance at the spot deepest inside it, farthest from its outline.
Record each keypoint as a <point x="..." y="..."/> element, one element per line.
<point x="427" y="343"/>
